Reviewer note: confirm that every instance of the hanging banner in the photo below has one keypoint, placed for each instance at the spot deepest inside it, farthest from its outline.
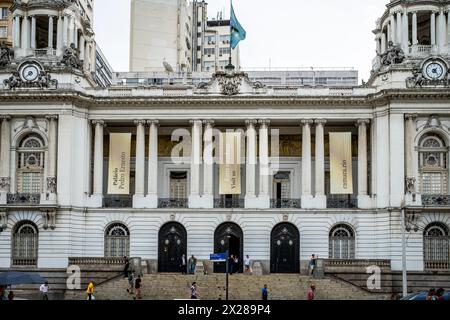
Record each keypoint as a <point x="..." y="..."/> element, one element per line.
<point x="119" y="163"/>
<point x="341" y="163"/>
<point x="230" y="163"/>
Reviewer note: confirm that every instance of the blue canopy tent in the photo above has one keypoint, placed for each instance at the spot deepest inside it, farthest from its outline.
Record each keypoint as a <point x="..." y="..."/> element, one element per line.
<point x="14" y="278"/>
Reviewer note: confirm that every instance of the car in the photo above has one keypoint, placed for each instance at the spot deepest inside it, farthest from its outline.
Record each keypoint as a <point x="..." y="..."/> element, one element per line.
<point x="423" y="296"/>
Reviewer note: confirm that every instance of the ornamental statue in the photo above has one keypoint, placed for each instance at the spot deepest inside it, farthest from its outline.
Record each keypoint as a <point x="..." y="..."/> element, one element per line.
<point x="6" y="55"/>
<point x="393" y="55"/>
<point x="71" y="57"/>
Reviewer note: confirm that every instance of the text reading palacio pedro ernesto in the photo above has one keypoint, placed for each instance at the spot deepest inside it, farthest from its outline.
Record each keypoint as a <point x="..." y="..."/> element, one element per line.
<point x="119" y="174"/>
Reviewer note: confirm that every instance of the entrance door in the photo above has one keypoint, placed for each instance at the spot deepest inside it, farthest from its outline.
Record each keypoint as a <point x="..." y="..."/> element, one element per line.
<point x="285" y="249"/>
<point x="172" y="245"/>
<point x="228" y="236"/>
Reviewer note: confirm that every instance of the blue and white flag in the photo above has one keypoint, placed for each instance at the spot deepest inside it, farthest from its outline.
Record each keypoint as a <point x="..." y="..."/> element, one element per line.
<point x="237" y="32"/>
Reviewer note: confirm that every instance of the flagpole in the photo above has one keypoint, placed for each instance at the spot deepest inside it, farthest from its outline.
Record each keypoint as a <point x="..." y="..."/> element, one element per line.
<point x="230" y="63"/>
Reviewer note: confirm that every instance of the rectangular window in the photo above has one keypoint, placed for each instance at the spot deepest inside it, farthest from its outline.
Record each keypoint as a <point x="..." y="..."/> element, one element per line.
<point x="223" y="51"/>
<point x="432" y="183"/>
<point x="178" y="185"/>
<point x="4" y="14"/>
<point x="30" y="182"/>
<point x="211" y="39"/>
<point x="209" y="51"/>
<point x="3" y="32"/>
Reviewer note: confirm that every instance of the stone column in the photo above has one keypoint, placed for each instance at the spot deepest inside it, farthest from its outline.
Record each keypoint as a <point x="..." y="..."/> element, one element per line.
<point x="16" y="26"/>
<point x="52" y="154"/>
<point x="363" y="195"/>
<point x="399" y="28"/>
<point x="81" y="47"/>
<point x="405" y="32"/>
<point x="379" y="47"/>
<point x="411" y="180"/>
<point x="433" y="29"/>
<point x="383" y="42"/>
<point x="415" y="40"/>
<point x="196" y="153"/>
<point x="5" y="158"/>
<point x="307" y="199"/>
<point x="264" y="169"/>
<point x="320" y="197"/>
<point x="33" y="32"/>
<point x="98" y="158"/>
<point x="65" y="31"/>
<point x="208" y="164"/>
<point x="25" y="34"/>
<point x="50" y="32"/>
<point x="250" y="165"/>
<point x="393" y="29"/>
<point x="152" y="180"/>
<point x="140" y="162"/>
<point x="441" y="31"/>
<point x="59" y="34"/>
<point x="448" y="28"/>
<point x="70" y="35"/>
<point x="389" y="32"/>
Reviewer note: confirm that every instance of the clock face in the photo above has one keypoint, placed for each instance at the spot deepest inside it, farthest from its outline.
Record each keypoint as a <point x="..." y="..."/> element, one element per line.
<point x="434" y="70"/>
<point x="30" y="72"/>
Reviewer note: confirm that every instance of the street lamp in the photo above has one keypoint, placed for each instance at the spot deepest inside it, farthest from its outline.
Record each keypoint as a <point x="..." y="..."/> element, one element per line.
<point x="227" y="266"/>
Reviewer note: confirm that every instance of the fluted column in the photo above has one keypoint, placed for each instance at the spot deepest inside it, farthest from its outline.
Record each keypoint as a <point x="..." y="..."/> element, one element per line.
<point x="5" y="156"/>
<point x="140" y="159"/>
<point x="448" y="29"/>
<point x="59" y="34"/>
<point x="433" y="29"/>
<point x="389" y="32"/>
<point x="208" y="162"/>
<point x="393" y="29"/>
<point x="65" y="31"/>
<point x="196" y="159"/>
<point x="250" y="177"/>
<point x="405" y="32"/>
<point x="33" y="32"/>
<point x="306" y="164"/>
<point x="320" y="197"/>
<point x="50" y="32"/>
<point x="98" y="157"/>
<point x="25" y="33"/>
<point x="441" y="30"/>
<point x="399" y="28"/>
<point x="264" y="172"/>
<point x="70" y="31"/>
<point x="52" y="153"/>
<point x="16" y="33"/>
<point x="152" y="192"/>
<point x="415" y="40"/>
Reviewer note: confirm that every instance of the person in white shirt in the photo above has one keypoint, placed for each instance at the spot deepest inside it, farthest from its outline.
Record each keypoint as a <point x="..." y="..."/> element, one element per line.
<point x="44" y="290"/>
<point x="247" y="267"/>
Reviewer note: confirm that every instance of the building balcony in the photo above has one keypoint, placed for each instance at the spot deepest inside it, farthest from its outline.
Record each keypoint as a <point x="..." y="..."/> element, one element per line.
<point x="425" y="49"/>
<point x="342" y="201"/>
<point x="285" y="204"/>
<point x="229" y="203"/>
<point x="44" y="52"/>
<point x="23" y="198"/>
<point x="110" y="201"/>
<point x="436" y="200"/>
<point x="437" y="265"/>
<point x="173" y="203"/>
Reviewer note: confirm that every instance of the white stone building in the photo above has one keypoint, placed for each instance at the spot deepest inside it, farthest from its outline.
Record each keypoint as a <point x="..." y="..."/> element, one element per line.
<point x="55" y="153"/>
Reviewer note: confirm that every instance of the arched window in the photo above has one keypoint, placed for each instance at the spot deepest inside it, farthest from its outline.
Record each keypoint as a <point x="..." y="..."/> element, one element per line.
<point x="117" y="241"/>
<point x="433" y="165"/>
<point x="25" y="244"/>
<point x="436" y="246"/>
<point x="30" y="165"/>
<point x="342" y="242"/>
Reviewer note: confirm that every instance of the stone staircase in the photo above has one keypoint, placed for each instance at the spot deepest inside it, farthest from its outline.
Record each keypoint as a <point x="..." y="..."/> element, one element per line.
<point x="241" y="287"/>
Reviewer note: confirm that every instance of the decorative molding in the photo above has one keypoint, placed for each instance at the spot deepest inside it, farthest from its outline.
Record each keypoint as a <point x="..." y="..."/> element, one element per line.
<point x="410" y="185"/>
<point x="3" y="220"/>
<point x="419" y="80"/>
<point x="320" y="122"/>
<point x="49" y="216"/>
<point x="153" y="122"/>
<point x="307" y="122"/>
<point x="99" y="122"/>
<point x="51" y="184"/>
<point x="139" y="122"/>
<point x="410" y="116"/>
<point x="5" y="117"/>
<point x="264" y="122"/>
<point x="5" y="184"/>
<point x="251" y="122"/>
<point x="209" y="123"/>
<point x="44" y="81"/>
<point x="361" y="122"/>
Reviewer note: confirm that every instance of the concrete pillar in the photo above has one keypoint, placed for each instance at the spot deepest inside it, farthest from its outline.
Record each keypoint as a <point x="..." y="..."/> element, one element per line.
<point x="250" y="178"/>
<point x="98" y="157"/>
<point x="383" y="42"/>
<point x="320" y="197"/>
<point x="140" y="159"/>
<point x="33" y="32"/>
<point x="71" y="26"/>
<point x="306" y="164"/>
<point x="441" y="31"/>
<point x="410" y="179"/>
<point x="25" y="33"/>
<point x="50" y="32"/>
<point x="16" y="33"/>
<point x="52" y="145"/>
<point x="196" y="161"/>
<point x="208" y="163"/>
<point x="448" y="28"/>
<point x="5" y="157"/>
<point x="433" y="28"/>
<point x="389" y="32"/>
<point x="396" y="173"/>
<point x="363" y="197"/>
<point x="81" y="47"/>
<point x="152" y="190"/>
<point x="415" y="40"/>
<point x="264" y="172"/>
<point x="59" y="34"/>
<point x="65" y="30"/>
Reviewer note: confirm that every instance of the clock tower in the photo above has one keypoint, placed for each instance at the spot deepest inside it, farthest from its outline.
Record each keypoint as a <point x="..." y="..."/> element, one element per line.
<point x="412" y="45"/>
<point x="53" y="44"/>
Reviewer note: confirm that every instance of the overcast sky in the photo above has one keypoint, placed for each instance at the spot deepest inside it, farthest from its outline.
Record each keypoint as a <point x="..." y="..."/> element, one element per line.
<point x="282" y="33"/>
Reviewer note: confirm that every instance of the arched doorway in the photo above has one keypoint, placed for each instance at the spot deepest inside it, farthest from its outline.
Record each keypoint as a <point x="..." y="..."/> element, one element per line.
<point x="172" y="244"/>
<point x="285" y="249"/>
<point x="228" y="236"/>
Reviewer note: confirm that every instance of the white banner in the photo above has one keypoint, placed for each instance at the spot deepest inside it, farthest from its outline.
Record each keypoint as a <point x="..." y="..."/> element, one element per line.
<point x="119" y="163"/>
<point x="341" y="178"/>
<point x="230" y="164"/>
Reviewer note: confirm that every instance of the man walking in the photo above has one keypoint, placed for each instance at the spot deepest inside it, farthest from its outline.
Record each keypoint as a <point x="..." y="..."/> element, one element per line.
<point x="312" y="263"/>
<point x="44" y="290"/>
<point x="130" y="283"/>
<point x="264" y="293"/>
<point x="247" y="267"/>
<point x="192" y="264"/>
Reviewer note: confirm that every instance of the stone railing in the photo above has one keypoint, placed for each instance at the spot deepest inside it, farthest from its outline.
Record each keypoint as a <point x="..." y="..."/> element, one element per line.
<point x="172" y="203"/>
<point x="19" y="262"/>
<point x="118" y="201"/>
<point x="437" y="265"/>
<point x="355" y="263"/>
<point x="420" y="49"/>
<point x="341" y="201"/>
<point x="23" y="198"/>
<point x="96" y="261"/>
<point x="435" y="200"/>
<point x="229" y="203"/>
<point x="285" y="203"/>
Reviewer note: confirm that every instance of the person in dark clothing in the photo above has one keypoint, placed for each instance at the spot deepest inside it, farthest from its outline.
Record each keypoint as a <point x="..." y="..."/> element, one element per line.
<point x="231" y="264"/>
<point x="126" y="269"/>
<point x="137" y="288"/>
<point x="264" y="292"/>
<point x="183" y="264"/>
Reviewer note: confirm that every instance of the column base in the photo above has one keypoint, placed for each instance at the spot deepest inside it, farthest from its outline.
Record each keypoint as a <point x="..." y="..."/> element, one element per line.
<point x="413" y="201"/>
<point x="201" y="202"/>
<point x="320" y="202"/>
<point x="365" y="202"/>
<point x="3" y="197"/>
<point x="308" y="202"/>
<point x="142" y="202"/>
<point x="94" y="201"/>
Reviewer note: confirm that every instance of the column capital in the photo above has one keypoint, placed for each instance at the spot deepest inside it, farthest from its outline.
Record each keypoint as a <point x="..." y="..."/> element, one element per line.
<point x="195" y="121"/>
<point x="208" y="122"/>
<point x="410" y="116"/>
<point x="320" y="122"/>
<point x="5" y="117"/>
<point x="361" y="122"/>
<point x="51" y="117"/>
<point x="139" y="122"/>
<point x="99" y="122"/>
<point x="307" y="122"/>
<point x="264" y="122"/>
<point x="250" y="122"/>
<point x="153" y="122"/>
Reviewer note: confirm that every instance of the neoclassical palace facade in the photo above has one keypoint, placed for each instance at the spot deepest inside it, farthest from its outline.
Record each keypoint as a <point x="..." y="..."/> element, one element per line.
<point x="55" y="152"/>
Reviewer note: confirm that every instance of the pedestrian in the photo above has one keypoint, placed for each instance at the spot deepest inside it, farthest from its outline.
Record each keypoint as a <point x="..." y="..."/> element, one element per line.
<point x="183" y="264"/>
<point x="3" y="293"/>
<point x="312" y="263"/>
<point x="130" y="282"/>
<point x="264" y="292"/>
<point x="192" y="264"/>
<point x="247" y="267"/>
<point x="11" y="295"/>
<point x="440" y="294"/>
<point x="231" y="264"/>
<point x="236" y="264"/>
<point x="44" y="290"/>
<point x="312" y="292"/>
<point x="194" y="293"/>
<point x="90" y="291"/>
<point x="126" y="268"/>
<point x="431" y="294"/>
<point x="137" y="288"/>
